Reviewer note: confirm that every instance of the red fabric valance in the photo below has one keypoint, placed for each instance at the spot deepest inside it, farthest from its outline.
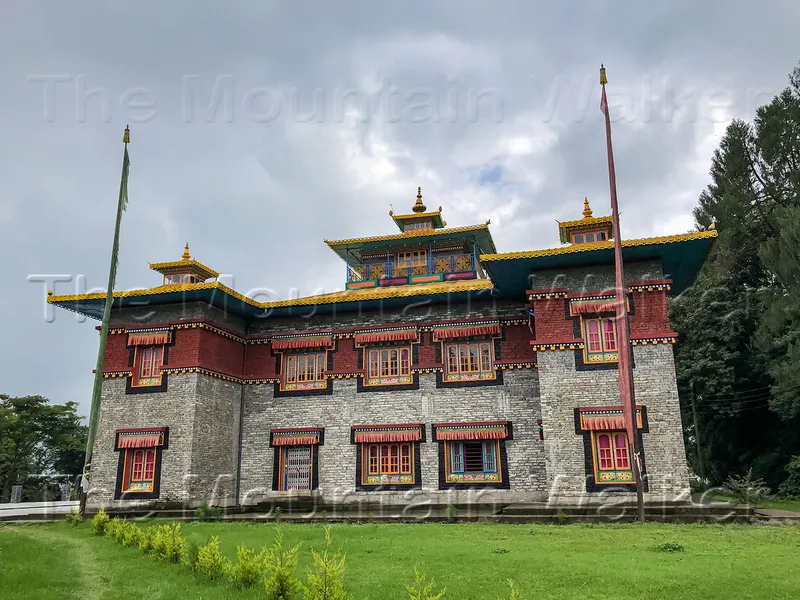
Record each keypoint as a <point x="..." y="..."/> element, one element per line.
<point x="593" y="307"/>
<point x="148" y="338"/>
<point x="499" y="433"/>
<point x="139" y="441"/>
<point x="607" y="423"/>
<point x="320" y="341"/>
<point x="367" y="337"/>
<point x="386" y="433"/>
<point x="294" y="440"/>
<point x="606" y="419"/>
<point x="464" y="331"/>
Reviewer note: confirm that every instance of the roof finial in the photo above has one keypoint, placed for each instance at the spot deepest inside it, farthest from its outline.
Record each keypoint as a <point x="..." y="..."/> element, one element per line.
<point x="603" y="79"/>
<point x="126" y="137"/>
<point x="587" y="210"/>
<point x="186" y="255"/>
<point x="419" y="207"/>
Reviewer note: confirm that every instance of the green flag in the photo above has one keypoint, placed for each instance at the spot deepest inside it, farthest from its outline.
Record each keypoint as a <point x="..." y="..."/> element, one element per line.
<point x="97" y="389"/>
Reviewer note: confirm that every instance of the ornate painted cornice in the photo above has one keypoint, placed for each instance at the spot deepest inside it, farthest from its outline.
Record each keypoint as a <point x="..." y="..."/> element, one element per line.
<point x="407" y="235"/>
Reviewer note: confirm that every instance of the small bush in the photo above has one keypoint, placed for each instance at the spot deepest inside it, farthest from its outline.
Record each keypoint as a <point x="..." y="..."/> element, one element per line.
<point x="146" y="541"/>
<point x="280" y="565"/>
<point x="421" y="590"/>
<point x="204" y="512"/>
<point x="668" y="547"/>
<point x="112" y="526"/>
<point x="73" y="517"/>
<point x="171" y="542"/>
<point x="132" y="535"/>
<point x="190" y="553"/>
<point x="100" y="522"/>
<point x="500" y="550"/>
<point x="278" y="514"/>
<point x="326" y="578"/>
<point x="211" y="563"/>
<point x="119" y="530"/>
<point x="249" y="568"/>
<point x="745" y="489"/>
<point x="451" y="513"/>
<point x="561" y="517"/>
<point x="514" y="593"/>
<point x="790" y="488"/>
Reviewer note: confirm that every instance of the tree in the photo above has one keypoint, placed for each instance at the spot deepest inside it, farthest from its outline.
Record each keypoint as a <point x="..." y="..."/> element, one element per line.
<point x="38" y="438"/>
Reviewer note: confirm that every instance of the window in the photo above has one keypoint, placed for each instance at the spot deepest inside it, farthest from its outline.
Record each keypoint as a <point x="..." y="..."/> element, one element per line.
<point x="472" y="462"/>
<point x="387" y="464"/>
<point x="469" y="361"/>
<point x="600" y="336"/>
<point x="417" y="225"/>
<point x="388" y="366"/>
<point x="588" y="237"/>
<point x="414" y="258"/>
<point x="295" y="468"/>
<point x="147" y="365"/>
<point x="612" y="461"/>
<point x="139" y="470"/>
<point x="177" y="279"/>
<point x="304" y="371"/>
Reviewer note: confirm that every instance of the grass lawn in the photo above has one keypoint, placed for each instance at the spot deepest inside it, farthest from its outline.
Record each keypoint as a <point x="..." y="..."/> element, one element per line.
<point x="471" y="560"/>
<point x="776" y="503"/>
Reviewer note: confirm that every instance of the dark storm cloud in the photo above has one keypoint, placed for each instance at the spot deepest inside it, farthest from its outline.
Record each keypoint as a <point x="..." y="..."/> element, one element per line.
<point x="328" y="113"/>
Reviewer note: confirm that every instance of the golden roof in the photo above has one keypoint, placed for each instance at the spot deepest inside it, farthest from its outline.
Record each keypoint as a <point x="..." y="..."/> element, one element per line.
<point x="406" y="235"/>
<point x="608" y="244"/>
<point x="186" y="265"/>
<point x="379" y="293"/>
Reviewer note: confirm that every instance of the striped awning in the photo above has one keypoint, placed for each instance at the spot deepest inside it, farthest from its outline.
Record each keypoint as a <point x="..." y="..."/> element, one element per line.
<point x="446" y="333"/>
<point x="318" y="341"/>
<point x="304" y="436"/>
<point x="387" y="433"/>
<point x="140" y="438"/>
<point x="148" y="338"/>
<point x="397" y="335"/>
<point x="491" y="430"/>
<point x="609" y="418"/>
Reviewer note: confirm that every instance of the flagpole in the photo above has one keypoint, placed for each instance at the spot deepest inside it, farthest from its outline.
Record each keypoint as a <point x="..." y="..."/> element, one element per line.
<point x="625" y="367"/>
<point x="97" y="389"/>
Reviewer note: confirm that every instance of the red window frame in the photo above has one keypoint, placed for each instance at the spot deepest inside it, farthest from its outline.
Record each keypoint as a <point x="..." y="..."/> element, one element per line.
<point x="389" y="458"/>
<point x="600" y="339"/>
<point x="469" y="358"/>
<point x="139" y="470"/>
<point x="148" y="361"/>
<point x="387" y="362"/>
<point x="303" y="368"/>
<point x="611" y="451"/>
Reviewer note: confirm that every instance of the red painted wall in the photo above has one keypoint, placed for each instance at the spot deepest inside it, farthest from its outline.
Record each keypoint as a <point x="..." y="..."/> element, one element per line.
<point x="117" y="354"/>
<point x="517" y="344"/>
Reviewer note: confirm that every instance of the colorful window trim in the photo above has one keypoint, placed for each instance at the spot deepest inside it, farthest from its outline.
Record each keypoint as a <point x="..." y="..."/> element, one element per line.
<point x="469" y="361"/>
<point x="304" y="371"/>
<point x="388" y="464"/>
<point x="413" y="258"/>
<point x="473" y="461"/>
<point x="388" y="365"/>
<point x="587" y="237"/>
<point x="295" y="467"/>
<point x="600" y="335"/>
<point x="611" y="458"/>
<point x="147" y="362"/>
<point x="139" y="470"/>
<point x="181" y="278"/>
<point x="418" y="225"/>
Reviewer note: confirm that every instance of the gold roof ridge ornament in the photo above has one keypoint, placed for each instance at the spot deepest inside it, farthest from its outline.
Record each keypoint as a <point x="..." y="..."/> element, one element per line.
<point x="587" y="210"/>
<point x="186" y="255"/>
<point x="419" y="207"/>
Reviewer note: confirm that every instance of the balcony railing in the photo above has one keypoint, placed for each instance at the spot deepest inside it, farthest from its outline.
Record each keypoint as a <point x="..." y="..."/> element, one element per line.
<point x="455" y="263"/>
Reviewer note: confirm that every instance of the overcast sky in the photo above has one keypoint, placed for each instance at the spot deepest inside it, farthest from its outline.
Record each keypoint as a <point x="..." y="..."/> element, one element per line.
<point x="260" y="128"/>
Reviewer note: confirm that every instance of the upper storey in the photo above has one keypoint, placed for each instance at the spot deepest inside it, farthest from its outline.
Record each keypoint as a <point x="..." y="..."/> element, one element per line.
<point x="425" y="252"/>
<point x="186" y="270"/>
<point x="586" y="230"/>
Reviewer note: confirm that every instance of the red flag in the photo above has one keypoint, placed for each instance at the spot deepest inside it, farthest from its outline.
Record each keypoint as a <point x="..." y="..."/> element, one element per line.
<point x="604" y="102"/>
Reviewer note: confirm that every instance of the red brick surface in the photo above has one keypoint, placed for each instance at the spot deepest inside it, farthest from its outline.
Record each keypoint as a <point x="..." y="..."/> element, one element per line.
<point x="117" y="354"/>
<point x="516" y="346"/>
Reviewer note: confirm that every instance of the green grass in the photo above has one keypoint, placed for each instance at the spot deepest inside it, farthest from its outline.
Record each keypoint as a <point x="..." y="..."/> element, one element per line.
<point x="472" y="561"/>
<point x="776" y="503"/>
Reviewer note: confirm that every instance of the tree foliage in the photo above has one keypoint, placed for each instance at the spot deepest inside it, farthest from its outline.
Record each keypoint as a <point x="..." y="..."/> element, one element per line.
<point x="739" y="351"/>
<point x="41" y="445"/>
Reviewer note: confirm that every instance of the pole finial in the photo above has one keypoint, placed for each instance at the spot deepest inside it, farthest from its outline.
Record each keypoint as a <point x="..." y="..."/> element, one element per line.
<point x="587" y="210"/>
<point x="603" y="79"/>
<point x="186" y="255"/>
<point x="419" y="207"/>
<point x="126" y="137"/>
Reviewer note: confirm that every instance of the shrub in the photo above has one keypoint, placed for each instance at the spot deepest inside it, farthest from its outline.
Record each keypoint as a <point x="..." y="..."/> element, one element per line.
<point x="451" y="513"/>
<point x="170" y="543"/>
<point x="668" y="547"/>
<point x="132" y="535"/>
<point x="326" y="578"/>
<point x="190" y="553"/>
<point x="146" y="541"/>
<point x="421" y="590"/>
<point x="100" y="522"/>
<point x="278" y="513"/>
<point x="281" y="582"/>
<point x="790" y="488"/>
<point x="204" y="512"/>
<point x="73" y="517"/>
<point x="112" y="526"/>
<point x="119" y="530"/>
<point x="211" y="563"/>
<point x="745" y="489"/>
<point x="249" y="568"/>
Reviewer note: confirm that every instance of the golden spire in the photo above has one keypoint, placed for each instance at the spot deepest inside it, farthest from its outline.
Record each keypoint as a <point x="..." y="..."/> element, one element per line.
<point x="186" y="255"/>
<point x="126" y="137"/>
<point x="587" y="210"/>
<point x="419" y="207"/>
<point x="603" y="79"/>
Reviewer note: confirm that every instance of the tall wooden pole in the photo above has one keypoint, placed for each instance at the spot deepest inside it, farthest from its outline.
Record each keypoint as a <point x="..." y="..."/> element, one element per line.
<point x="94" y="413"/>
<point x="625" y="368"/>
